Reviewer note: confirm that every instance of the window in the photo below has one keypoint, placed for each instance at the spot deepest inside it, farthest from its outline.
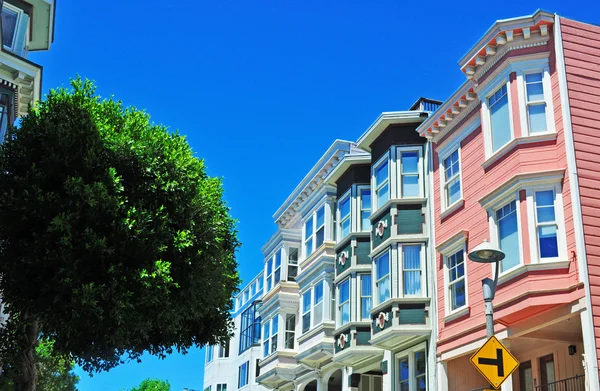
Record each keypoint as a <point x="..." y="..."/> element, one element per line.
<point x="270" y="336"/>
<point x="382" y="187"/>
<point x="409" y="173"/>
<point x="546" y="226"/>
<point x="535" y="103"/>
<point x="411" y="270"/>
<point x="365" y="296"/>
<point x="209" y="354"/>
<point x="508" y="235"/>
<point x="224" y="351"/>
<point x="412" y="370"/>
<point x="499" y="118"/>
<point x="455" y="264"/>
<point x="269" y="274"/>
<point x="344" y="217"/>
<point x="314" y="231"/>
<point x="14" y="28"/>
<point x="290" y="331"/>
<point x="306" y="311"/>
<point x="221" y="387"/>
<point x="344" y="302"/>
<point x="382" y="267"/>
<point x="318" y="303"/>
<point x="5" y="114"/>
<point x="365" y="209"/>
<point x="246" y="295"/>
<point x="277" y="272"/>
<point x="250" y="329"/>
<point x="243" y="375"/>
<point x="292" y="264"/>
<point x="451" y="177"/>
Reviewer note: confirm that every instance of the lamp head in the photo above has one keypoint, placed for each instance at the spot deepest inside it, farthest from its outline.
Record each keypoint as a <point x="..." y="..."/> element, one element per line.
<point x="486" y="253"/>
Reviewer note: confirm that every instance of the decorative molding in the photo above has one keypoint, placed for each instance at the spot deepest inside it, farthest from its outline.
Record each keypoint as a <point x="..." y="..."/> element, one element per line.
<point x="381" y="319"/>
<point x="453" y="243"/>
<point x="381" y="227"/>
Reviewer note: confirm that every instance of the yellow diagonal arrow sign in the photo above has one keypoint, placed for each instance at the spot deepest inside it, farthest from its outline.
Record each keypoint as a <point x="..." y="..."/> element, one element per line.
<point x="494" y="362"/>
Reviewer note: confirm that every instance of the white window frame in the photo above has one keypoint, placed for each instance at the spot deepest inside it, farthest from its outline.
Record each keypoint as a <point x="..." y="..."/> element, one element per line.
<point x="277" y="268"/>
<point x="539" y="66"/>
<point x="315" y="303"/>
<point x="376" y="186"/>
<point x="292" y="263"/>
<point x="222" y="387"/>
<point x="306" y="295"/>
<point x="346" y="197"/>
<point x="247" y="377"/>
<point x="499" y="203"/>
<point x="360" y="208"/>
<point x="444" y="183"/>
<point x="410" y="354"/>
<point x="560" y="223"/>
<point x="315" y="228"/>
<point x="341" y="304"/>
<point x="375" y="277"/>
<point x="359" y="277"/>
<point x="273" y="320"/>
<point x="289" y="331"/>
<point x="401" y="269"/>
<point x="448" y="284"/>
<point x="486" y="119"/>
<point x="269" y="276"/>
<point x="420" y="171"/>
<point x="18" y="22"/>
<point x="223" y="351"/>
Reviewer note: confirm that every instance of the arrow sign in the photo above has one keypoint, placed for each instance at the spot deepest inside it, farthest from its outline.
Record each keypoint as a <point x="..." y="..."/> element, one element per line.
<point x="494" y="362"/>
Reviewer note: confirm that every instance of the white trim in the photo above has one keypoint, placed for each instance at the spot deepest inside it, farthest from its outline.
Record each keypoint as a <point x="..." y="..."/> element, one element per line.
<point x="538" y="137"/>
<point x="458" y="243"/>
<point x="339" y="304"/>
<point x="422" y="264"/>
<point x="486" y="115"/>
<point x="410" y="354"/>
<point x="374" y="185"/>
<point x="375" y="278"/>
<point x="544" y="69"/>
<point x="398" y="171"/>
<point x="359" y="190"/>
<point x="359" y="296"/>
<point x="587" y="322"/>
<point x="455" y="140"/>
<point x="442" y="169"/>
<point x="346" y="195"/>
<point x="326" y="222"/>
<point x="501" y="202"/>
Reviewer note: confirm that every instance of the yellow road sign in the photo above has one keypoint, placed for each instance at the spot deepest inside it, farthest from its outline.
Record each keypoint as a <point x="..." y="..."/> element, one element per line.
<point x="494" y="362"/>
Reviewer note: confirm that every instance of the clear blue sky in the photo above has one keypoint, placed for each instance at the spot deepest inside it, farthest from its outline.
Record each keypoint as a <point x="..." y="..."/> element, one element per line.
<point x="261" y="88"/>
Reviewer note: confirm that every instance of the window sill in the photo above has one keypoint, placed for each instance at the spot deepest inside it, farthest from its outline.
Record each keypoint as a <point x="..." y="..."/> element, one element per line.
<point x="466" y="310"/>
<point x="521" y="269"/>
<point x="449" y="210"/>
<point x="326" y="324"/>
<point x="515" y="142"/>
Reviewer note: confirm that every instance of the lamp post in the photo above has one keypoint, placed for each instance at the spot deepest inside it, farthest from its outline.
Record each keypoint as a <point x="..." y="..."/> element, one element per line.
<point x="488" y="253"/>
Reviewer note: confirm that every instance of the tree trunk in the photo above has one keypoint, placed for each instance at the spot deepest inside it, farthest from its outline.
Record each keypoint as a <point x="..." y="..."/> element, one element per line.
<point x="25" y="361"/>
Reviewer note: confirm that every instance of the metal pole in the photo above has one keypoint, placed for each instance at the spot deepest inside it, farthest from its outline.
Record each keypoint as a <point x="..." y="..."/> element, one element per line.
<point x="489" y="291"/>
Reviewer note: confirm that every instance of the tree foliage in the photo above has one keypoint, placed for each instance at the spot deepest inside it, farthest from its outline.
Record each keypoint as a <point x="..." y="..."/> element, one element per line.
<point x="114" y="241"/>
<point x="153" y="385"/>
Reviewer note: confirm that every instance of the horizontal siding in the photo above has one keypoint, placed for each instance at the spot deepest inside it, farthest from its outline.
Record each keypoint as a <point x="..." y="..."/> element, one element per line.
<point x="582" y="64"/>
<point x="477" y="182"/>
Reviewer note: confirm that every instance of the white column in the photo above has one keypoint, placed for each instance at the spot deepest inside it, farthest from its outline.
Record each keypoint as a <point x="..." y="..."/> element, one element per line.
<point x="346" y="372"/>
<point x="590" y="365"/>
<point x="508" y="383"/>
<point x="320" y="385"/>
<point x="327" y="297"/>
<point x="388" y="382"/>
<point x="442" y="376"/>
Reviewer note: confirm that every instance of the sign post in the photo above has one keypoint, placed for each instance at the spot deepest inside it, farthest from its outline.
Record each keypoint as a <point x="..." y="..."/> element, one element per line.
<point x="494" y="362"/>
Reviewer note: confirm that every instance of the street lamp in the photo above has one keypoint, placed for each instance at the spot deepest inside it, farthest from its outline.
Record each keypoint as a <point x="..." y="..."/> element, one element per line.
<point x="488" y="253"/>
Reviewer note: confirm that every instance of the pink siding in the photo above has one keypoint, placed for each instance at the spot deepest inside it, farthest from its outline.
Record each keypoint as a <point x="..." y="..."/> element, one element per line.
<point x="582" y="63"/>
<point x="478" y="182"/>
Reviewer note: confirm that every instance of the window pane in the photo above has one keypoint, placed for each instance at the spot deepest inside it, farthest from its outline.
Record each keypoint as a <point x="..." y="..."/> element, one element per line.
<point x="320" y="237"/>
<point x="308" y="247"/>
<point x="381" y="173"/>
<point x="277" y="276"/>
<point x="275" y="324"/>
<point x="365" y="307"/>
<point x="383" y="288"/>
<point x="457" y="293"/>
<point x="308" y="228"/>
<point x="548" y="241"/>
<point x="289" y="340"/>
<point x="365" y="290"/>
<point x="318" y="313"/>
<point x="410" y="186"/>
<point x="365" y="196"/>
<point x="321" y="216"/>
<point x="305" y="322"/>
<point x="290" y="322"/>
<point x="410" y="162"/>
<point x="404" y="373"/>
<point x="420" y="363"/>
<point x="319" y="292"/>
<point x="366" y="223"/>
<point x="412" y="270"/>
<point x="306" y="302"/>
<point x="453" y="191"/>
<point x="382" y="196"/>
<point x="500" y="121"/>
<point x="278" y="259"/>
<point x="383" y="265"/>
<point x="537" y="118"/>
<point x="345" y="291"/>
<point x="535" y="87"/>
<point x="508" y="233"/>
<point x="9" y="23"/>
<point x="345" y="228"/>
<point x="345" y="207"/>
<point x="345" y="313"/>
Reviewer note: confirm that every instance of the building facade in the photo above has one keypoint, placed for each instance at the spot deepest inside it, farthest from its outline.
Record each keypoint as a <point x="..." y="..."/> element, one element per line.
<point x="367" y="282"/>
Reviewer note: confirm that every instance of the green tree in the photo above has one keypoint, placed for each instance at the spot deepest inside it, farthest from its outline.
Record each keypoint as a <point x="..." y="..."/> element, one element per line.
<point x="114" y="241"/>
<point x="54" y="372"/>
<point x="153" y="385"/>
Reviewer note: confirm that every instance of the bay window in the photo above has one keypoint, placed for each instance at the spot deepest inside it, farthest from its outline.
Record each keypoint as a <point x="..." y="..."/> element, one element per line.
<point x="411" y="270"/>
<point x="271" y="331"/>
<point x="382" y="270"/>
<point x="314" y="231"/>
<point x="381" y="176"/>
<point x="499" y="118"/>
<point x="365" y="208"/>
<point x="409" y="173"/>
<point x="451" y="179"/>
<point x="366" y="302"/>
<point x="345" y="217"/>
<point x="508" y="235"/>
<point x="343" y="302"/>
<point x="290" y="331"/>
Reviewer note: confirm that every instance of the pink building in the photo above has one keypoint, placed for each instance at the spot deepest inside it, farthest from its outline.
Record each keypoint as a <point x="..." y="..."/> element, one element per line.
<point x="516" y="161"/>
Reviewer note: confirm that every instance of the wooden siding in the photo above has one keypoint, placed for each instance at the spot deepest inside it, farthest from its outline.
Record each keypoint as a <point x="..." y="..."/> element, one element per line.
<point x="581" y="44"/>
<point x="477" y="182"/>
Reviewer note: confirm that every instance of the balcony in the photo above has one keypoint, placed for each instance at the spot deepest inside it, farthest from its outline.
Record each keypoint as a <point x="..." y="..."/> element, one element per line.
<point x="399" y="322"/>
<point x="277" y="369"/>
<point x="316" y="345"/>
<point x="353" y="347"/>
<point x="575" y="383"/>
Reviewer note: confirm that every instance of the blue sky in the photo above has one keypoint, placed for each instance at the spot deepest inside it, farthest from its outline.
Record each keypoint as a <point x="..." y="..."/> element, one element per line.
<point x="262" y="88"/>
